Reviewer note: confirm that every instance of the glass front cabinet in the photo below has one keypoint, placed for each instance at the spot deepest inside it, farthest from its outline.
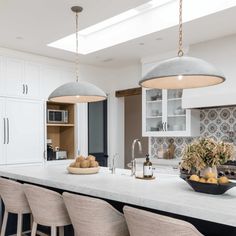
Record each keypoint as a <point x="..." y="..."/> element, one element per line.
<point x="163" y="115"/>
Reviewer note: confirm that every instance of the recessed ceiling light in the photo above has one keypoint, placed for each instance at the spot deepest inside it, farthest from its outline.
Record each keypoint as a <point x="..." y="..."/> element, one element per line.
<point x="19" y="38"/>
<point x="108" y="60"/>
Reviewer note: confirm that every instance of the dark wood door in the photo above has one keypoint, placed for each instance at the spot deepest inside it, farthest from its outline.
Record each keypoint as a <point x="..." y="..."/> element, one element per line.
<point x="97" y="131"/>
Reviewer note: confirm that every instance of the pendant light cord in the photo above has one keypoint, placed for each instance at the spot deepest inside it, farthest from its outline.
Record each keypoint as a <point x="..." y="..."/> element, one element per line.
<point x="180" y="52"/>
<point x="77" y="47"/>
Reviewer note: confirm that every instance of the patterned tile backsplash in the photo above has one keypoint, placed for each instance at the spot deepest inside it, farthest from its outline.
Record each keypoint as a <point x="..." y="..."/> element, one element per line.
<point x="217" y="123"/>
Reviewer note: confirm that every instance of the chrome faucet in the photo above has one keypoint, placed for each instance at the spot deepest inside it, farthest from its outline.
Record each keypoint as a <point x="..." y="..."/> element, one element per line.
<point x="112" y="167"/>
<point x="133" y="164"/>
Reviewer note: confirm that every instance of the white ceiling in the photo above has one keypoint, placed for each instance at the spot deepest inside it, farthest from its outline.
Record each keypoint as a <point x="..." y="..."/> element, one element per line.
<point x="29" y="25"/>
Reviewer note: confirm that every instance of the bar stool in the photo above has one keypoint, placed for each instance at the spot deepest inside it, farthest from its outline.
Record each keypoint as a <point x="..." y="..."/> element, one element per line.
<point x="146" y="223"/>
<point x="48" y="209"/>
<point x="15" y="202"/>
<point x="92" y="216"/>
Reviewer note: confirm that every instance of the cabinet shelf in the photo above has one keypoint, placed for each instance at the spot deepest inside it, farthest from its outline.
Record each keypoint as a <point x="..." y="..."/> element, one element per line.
<point x="153" y="117"/>
<point x="155" y="101"/>
<point x="174" y="99"/>
<point x="61" y="125"/>
<point x="182" y="115"/>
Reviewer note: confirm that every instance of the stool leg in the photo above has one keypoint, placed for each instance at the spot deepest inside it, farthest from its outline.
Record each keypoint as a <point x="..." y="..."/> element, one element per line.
<point x="34" y="229"/>
<point x="61" y="231"/>
<point x="53" y="231"/>
<point x="19" y="224"/>
<point x="4" y="223"/>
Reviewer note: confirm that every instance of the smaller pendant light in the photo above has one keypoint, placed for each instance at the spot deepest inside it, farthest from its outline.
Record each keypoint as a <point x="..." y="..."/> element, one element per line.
<point x="182" y="72"/>
<point x="77" y="92"/>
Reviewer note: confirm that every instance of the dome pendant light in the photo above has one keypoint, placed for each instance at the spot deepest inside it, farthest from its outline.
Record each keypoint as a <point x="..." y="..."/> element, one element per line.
<point x="77" y="92"/>
<point x="182" y="72"/>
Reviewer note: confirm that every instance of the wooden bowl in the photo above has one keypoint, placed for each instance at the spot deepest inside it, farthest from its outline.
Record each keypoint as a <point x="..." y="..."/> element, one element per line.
<point x="83" y="171"/>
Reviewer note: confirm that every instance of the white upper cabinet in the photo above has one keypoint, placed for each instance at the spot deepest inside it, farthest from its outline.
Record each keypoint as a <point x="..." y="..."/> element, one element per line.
<point x="32" y="80"/>
<point x="25" y="79"/>
<point x="53" y="77"/>
<point x="163" y="115"/>
<point x="13" y="77"/>
<point x="19" y="78"/>
<point x="2" y="130"/>
<point x="2" y="81"/>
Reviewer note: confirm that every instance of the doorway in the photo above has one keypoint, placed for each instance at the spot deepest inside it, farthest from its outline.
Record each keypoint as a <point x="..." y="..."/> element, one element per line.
<point x="133" y="122"/>
<point x="97" y="131"/>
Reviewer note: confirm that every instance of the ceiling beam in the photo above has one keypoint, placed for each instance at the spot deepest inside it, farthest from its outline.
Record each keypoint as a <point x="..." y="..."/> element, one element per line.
<point x="129" y="92"/>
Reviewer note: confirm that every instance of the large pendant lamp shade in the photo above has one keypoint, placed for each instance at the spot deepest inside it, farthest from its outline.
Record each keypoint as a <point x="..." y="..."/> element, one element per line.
<point x="182" y="72"/>
<point x="76" y="92"/>
<point x="79" y="91"/>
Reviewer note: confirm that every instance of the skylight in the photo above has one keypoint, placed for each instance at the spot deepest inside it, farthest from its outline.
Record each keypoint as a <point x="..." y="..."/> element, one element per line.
<point x="147" y="18"/>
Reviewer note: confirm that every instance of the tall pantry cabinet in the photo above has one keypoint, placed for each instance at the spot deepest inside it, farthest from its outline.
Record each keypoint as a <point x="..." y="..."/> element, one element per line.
<point x="22" y="131"/>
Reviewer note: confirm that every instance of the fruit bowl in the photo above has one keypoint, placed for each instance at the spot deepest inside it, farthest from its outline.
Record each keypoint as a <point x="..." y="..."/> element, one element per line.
<point x="83" y="171"/>
<point x="208" y="188"/>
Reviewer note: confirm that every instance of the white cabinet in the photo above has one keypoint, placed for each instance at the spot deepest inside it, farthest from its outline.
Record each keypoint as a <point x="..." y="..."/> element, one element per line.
<point x="2" y="130"/>
<point x="163" y="114"/>
<point x="32" y="80"/>
<point x="53" y="77"/>
<point x="19" y="78"/>
<point x="23" y="131"/>
<point x="13" y="76"/>
<point x="2" y="81"/>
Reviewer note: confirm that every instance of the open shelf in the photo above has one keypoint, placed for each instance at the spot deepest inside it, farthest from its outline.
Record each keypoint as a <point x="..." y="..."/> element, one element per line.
<point x="61" y="125"/>
<point x="63" y="134"/>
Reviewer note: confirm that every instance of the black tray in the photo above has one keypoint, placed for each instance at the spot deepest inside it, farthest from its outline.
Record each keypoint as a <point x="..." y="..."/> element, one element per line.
<point x="215" y="189"/>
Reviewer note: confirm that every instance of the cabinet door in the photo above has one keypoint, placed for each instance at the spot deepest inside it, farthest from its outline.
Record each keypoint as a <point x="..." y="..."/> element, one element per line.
<point x="152" y="111"/>
<point x="2" y="79"/>
<point x="32" y="80"/>
<point x="53" y="77"/>
<point x="2" y="131"/>
<point x="14" y="77"/>
<point x="176" y="116"/>
<point x="25" y="143"/>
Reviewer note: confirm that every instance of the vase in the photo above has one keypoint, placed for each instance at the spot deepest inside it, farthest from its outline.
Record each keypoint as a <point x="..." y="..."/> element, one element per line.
<point x="208" y="169"/>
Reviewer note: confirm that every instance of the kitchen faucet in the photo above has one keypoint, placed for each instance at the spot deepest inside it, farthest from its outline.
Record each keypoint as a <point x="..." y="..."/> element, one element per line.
<point x="133" y="164"/>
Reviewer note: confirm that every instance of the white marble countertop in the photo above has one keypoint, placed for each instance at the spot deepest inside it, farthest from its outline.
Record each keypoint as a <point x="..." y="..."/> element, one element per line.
<point x="166" y="193"/>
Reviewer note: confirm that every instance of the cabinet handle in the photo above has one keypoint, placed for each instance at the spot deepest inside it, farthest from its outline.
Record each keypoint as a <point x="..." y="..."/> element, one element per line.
<point x="166" y="126"/>
<point x="163" y="126"/>
<point x="7" y="131"/>
<point x="23" y="89"/>
<point x="26" y="88"/>
<point x="4" y="132"/>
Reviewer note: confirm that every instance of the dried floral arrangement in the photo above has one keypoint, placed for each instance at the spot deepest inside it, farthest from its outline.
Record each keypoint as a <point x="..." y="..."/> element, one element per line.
<point x="206" y="152"/>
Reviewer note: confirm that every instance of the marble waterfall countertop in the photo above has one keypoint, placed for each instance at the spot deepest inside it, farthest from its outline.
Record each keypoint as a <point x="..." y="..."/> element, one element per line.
<point x="166" y="193"/>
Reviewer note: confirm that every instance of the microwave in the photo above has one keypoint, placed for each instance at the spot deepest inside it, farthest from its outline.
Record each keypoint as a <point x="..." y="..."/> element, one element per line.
<point x="57" y="116"/>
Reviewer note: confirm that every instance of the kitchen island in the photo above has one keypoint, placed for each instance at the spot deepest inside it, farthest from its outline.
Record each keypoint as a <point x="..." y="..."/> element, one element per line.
<point x="167" y="193"/>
